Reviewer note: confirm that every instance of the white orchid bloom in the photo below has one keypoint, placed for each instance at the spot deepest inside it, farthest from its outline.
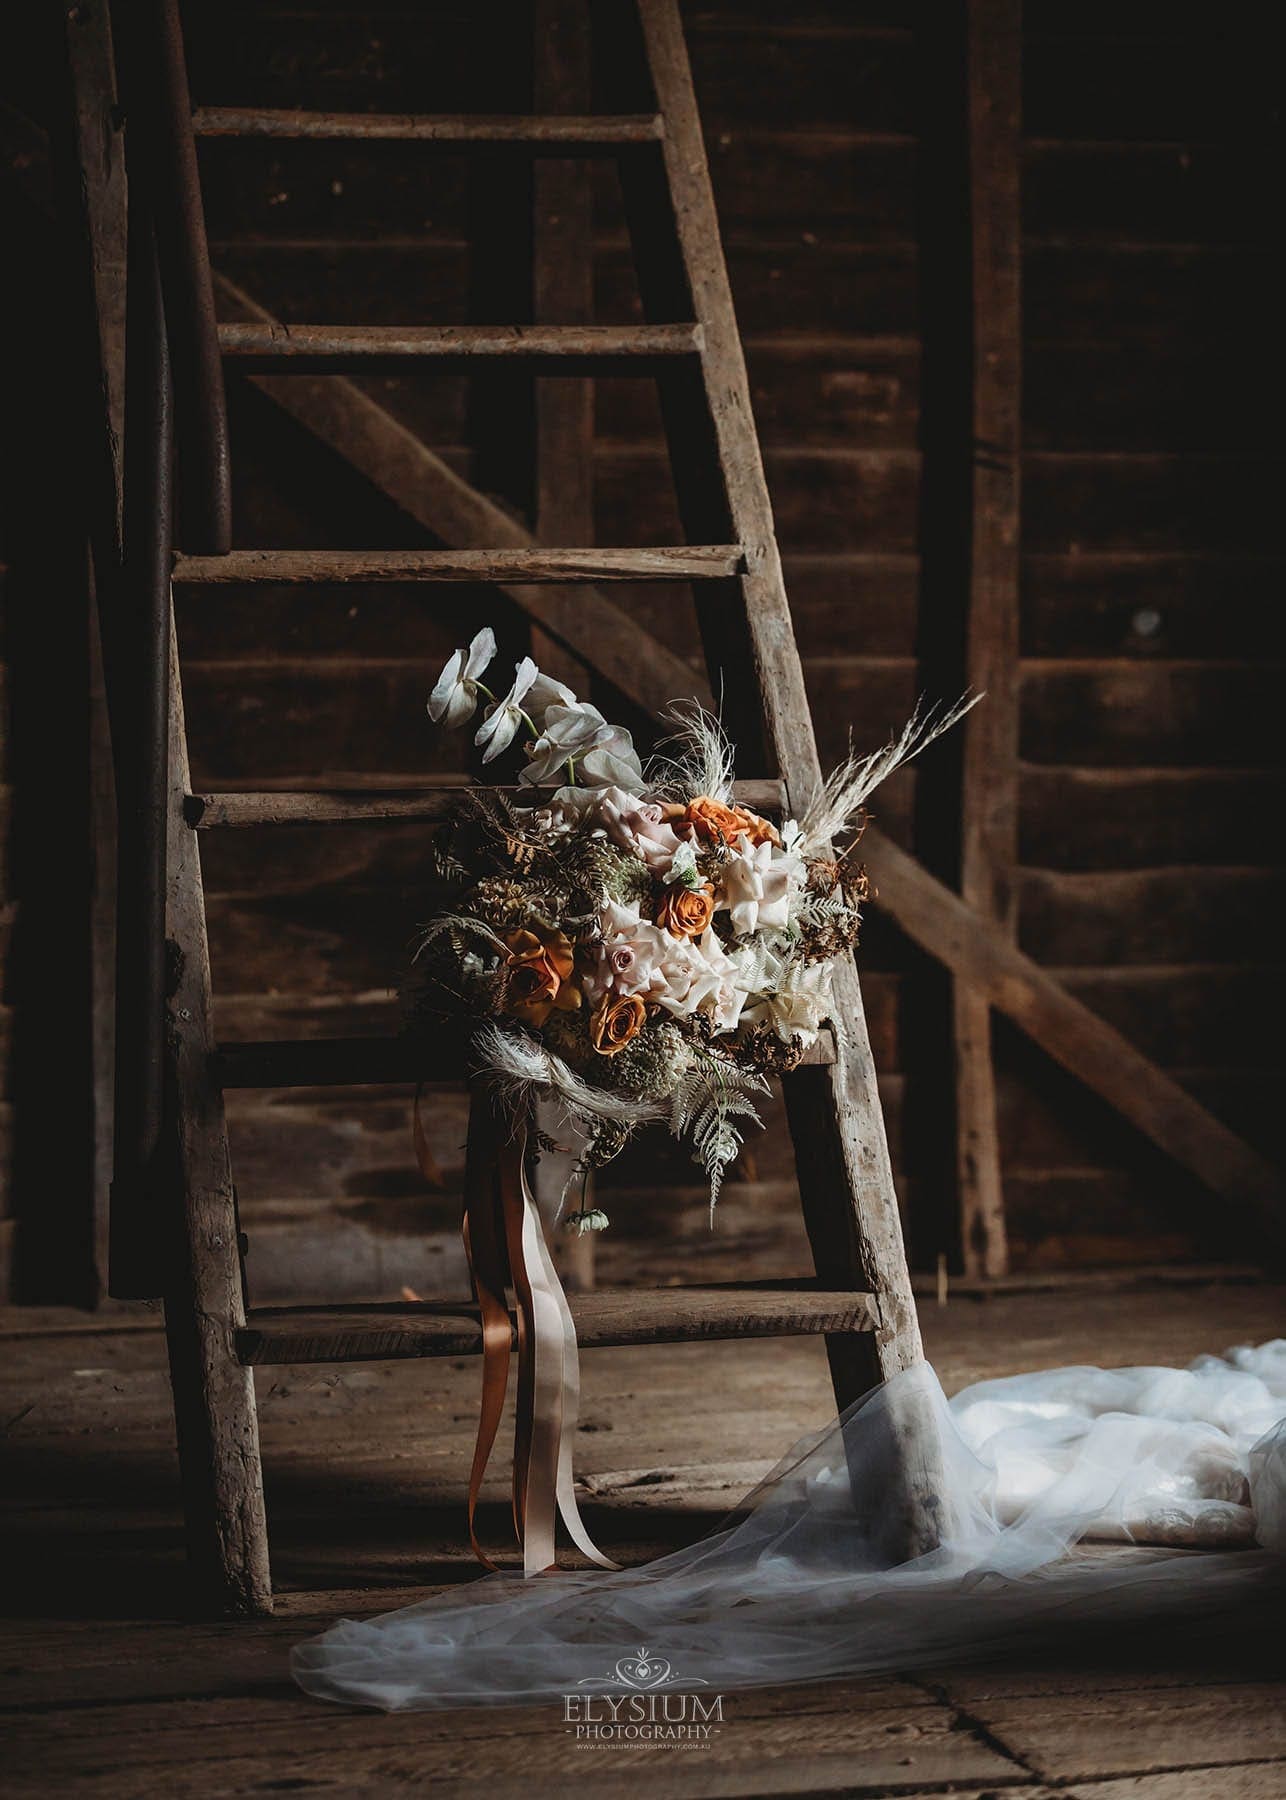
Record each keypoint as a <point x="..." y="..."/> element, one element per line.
<point x="455" y="698"/>
<point x="603" y="754"/>
<point x="545" y="692"/>
<point x="498" y="730"/>
<point x="569" y="732"/>
<point x="613" y="762"/>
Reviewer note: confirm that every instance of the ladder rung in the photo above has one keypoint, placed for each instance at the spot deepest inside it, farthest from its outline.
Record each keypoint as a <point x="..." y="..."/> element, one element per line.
<point x="348" y="806"/>
<point x="329" y="347"/>
<point x="374" y="1333"/>
<point x="336" y="1062"/>
<point x="666" y="562"/>
<point x="555" y="133"/>
<point x="370" y="1062"/>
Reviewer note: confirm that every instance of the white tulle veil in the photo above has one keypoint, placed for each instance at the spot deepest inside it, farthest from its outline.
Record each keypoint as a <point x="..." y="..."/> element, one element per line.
<point x="799" y="1586"/>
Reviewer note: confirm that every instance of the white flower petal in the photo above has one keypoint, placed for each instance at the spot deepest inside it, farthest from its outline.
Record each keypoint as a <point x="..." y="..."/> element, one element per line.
<point x="545" y="691"/>
<point x="447" y="690"/>
<point x="497" y="731"/>
<point x="481" y="651"/>
<point x="524" y="675"/>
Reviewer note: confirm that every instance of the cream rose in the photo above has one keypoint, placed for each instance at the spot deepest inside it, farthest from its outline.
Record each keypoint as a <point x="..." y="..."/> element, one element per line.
<point x="638" y="826"/>
<point x="635" y="957"/>
<point x="798" y="1007"/>
<point x="755" y="886"/>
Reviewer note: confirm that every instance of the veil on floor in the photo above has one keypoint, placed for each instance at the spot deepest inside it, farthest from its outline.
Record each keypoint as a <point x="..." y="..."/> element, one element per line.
<point x="1188" y="1466"/>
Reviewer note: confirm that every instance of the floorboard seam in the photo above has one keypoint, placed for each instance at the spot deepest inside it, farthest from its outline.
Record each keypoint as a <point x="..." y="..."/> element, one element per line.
<point x="1237" y="1762"/>
<point x="965" y="1720"/>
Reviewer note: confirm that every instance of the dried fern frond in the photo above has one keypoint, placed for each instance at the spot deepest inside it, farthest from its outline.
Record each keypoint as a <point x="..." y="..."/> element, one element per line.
<point x="459" y="923"/>
<point x="712" y="1094"/>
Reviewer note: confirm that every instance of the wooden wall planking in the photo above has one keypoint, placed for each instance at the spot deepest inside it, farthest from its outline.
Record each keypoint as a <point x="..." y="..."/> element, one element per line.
<point x="1148" y="571"/>
<point x="1137" y="829"/>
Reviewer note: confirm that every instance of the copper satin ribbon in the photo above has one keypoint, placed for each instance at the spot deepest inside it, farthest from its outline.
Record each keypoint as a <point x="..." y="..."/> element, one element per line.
<point x="504" y="1242"/>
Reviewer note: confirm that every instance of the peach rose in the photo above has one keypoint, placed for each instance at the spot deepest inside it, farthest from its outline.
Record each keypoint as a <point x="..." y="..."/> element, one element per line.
<point x="712" y="819"/>
<point x="540" y="966"/>
<point x="614" y="1021"/>
<point x="685" y="912"/>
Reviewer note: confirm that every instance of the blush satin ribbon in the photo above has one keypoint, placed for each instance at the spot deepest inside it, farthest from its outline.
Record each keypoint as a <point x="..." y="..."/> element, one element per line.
<point x="504" y="1242"/>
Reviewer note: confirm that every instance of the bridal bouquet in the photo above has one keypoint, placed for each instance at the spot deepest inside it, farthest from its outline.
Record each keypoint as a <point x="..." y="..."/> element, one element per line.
<point x="633" y="942"/>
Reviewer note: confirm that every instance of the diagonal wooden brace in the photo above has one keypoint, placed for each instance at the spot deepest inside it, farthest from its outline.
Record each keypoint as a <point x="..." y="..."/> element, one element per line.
<point x="395" y="461"/>
<point x="625" y="653"/>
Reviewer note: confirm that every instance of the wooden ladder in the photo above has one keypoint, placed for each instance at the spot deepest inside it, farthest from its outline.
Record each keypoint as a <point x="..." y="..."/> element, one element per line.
<point x="175" y="1226"/>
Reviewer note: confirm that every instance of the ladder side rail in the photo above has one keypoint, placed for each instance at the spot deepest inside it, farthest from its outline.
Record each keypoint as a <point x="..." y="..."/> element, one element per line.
<point x="139" y="699"/>
<point x="841" y="1150"/>
<point x="159" y="113"/>
<point x="835" y="1114"/>
<point x="214" y="1398"/>
<point x="694" y="452"/>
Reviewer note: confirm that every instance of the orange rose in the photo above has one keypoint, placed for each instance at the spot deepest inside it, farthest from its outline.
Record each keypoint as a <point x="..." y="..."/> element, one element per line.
<point x="540" y="966"/>
<point x="712" y="819"/>
<point x="685" y="912"/>
<point x="614" y="1021"/>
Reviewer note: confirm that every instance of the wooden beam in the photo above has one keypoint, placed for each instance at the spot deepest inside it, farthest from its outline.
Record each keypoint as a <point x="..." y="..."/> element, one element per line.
<point x="980" y="955"/>
<point x="563" y="136"/>
<point x="359" y="429"/>
<point x="373" y="1061"/>
<point x="300" y="1334"/>
<point x="667" y="562"/>
<point x="371" y="348"/>
<point x="350" y="806"/>
<point x="989" y="791"/>
<point x="627" y="654"/>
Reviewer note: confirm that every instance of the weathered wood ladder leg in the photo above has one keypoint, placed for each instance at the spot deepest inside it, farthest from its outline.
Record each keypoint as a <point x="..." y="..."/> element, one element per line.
<point x="845" y="1175"/>
<point x="214" y="1396"/>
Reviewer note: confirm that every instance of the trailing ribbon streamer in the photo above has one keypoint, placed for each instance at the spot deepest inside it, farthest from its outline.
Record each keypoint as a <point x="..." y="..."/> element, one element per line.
<point x="504" y="1242"/>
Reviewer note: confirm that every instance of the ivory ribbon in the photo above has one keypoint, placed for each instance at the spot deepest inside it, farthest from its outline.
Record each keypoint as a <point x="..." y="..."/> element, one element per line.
<point x="504" y="1242"/>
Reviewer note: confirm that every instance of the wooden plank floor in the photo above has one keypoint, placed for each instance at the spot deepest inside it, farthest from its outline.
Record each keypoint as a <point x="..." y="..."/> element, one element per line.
<point x="107" y="1691"/>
